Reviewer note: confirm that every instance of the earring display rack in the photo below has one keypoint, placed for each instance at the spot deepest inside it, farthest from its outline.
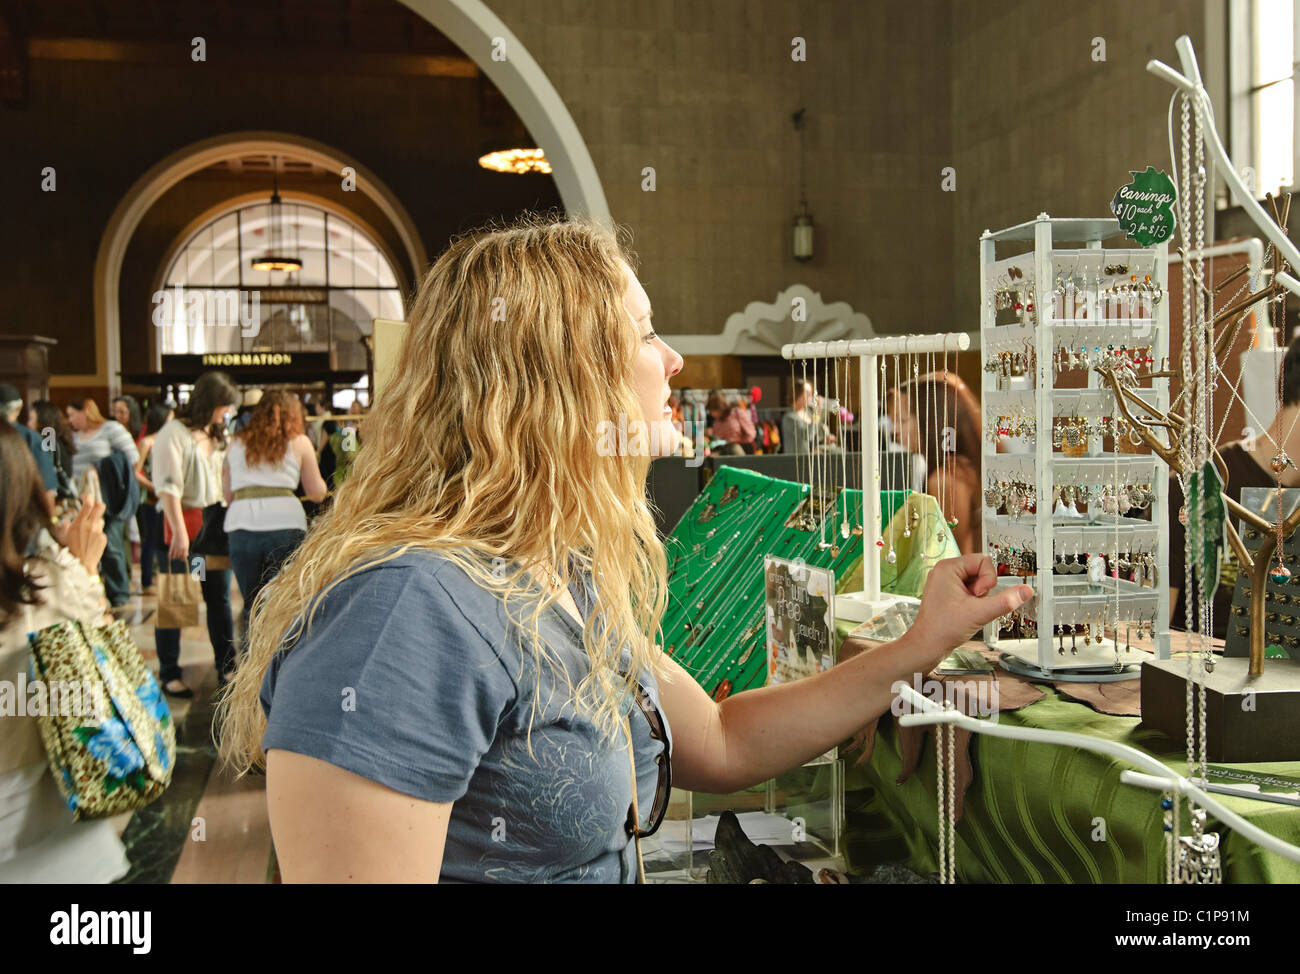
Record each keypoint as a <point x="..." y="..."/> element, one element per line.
<point x="1081" y="516"/>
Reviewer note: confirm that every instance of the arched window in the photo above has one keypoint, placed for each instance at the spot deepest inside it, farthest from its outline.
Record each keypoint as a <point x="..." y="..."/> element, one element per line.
<point x="215" y="301"/>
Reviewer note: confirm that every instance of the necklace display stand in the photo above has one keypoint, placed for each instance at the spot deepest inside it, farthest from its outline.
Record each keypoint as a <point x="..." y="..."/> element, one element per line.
<point x="863" y="605"/>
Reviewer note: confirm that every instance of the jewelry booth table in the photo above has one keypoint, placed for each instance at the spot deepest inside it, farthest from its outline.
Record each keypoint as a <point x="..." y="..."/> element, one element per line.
<point x="1030" y="810"/>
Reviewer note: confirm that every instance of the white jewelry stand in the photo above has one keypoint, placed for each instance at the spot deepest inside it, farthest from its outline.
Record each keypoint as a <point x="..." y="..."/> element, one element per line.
<point x="861" y="606"/>
<point x="1067" y="600"/>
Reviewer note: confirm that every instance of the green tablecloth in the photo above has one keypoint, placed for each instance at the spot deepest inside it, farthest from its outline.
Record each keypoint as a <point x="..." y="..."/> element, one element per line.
<point x="1032" y="809"/>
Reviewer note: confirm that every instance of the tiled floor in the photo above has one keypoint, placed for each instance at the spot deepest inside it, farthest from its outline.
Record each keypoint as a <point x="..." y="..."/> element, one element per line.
<point x="207" y="827"/>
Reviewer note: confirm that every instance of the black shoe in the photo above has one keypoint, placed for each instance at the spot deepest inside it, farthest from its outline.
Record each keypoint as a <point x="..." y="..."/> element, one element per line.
<point x="184" y="693"/>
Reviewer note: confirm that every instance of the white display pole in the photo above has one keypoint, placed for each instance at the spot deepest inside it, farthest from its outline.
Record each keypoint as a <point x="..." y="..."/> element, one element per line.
<point x="861" y="606"/>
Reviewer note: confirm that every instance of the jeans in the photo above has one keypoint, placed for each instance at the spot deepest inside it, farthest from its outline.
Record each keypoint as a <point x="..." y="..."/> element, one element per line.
<point x="114" y="565"/>
<point x="221" y="627"/>
<point x="149" y="518"/>
<point x="256" y="557"/>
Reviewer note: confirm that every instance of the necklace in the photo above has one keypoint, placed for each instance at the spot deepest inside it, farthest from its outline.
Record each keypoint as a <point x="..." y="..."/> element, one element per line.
<point x="1279" y="573"/>
<point x="947" y="800"/>
<point x="1198" y="858"/>
<point x="882" y="410"/>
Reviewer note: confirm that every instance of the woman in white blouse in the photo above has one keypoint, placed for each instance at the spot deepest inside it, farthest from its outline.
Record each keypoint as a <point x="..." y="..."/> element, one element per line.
<point x="265" y="521"/>
<point x="43" y="582"/>
<point x="187" y="456"/>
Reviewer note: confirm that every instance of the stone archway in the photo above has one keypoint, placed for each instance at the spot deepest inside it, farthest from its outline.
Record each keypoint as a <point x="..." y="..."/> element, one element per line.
<point x="475" y="29"/>
<point x="160" y="178"/>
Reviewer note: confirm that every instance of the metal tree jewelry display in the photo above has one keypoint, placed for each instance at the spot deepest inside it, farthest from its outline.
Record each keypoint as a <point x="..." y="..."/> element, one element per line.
<point x="1174" y="426"/>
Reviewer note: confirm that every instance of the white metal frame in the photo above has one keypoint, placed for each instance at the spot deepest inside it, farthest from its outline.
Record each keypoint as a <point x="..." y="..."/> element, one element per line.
<point x="1190" y="81"/>
<point x="1157" y="775"/>
<point x="1045" y="467"/>
<point x="860" y="606"/>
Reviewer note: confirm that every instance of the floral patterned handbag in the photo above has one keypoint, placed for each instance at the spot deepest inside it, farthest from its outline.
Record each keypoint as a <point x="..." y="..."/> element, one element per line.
<point x="111" y="742"/>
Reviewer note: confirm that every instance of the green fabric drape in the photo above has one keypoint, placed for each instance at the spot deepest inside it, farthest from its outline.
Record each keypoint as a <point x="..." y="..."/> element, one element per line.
<point x="1037" y="813"/>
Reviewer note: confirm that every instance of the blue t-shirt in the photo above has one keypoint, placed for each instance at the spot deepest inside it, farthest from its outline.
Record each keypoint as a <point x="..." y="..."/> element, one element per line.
<point x="410" y="676"/>
<point x="44" y="458"/>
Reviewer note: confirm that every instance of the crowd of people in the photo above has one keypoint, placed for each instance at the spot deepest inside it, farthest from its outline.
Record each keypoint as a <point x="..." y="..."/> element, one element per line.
<point x="156" y="470"/>
<point x="947" y="465"/>
<point x="84" y="497"/>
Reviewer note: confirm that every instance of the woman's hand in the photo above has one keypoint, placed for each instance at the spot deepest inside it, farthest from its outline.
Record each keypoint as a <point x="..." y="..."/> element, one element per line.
<point x="84" y="534"/>
<point x="957" y="602"/>
<point x="179" y="549"/>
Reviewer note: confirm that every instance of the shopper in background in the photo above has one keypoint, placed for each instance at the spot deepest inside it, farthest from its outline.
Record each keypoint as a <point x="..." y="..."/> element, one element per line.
<point x="97" y="439"/>
<point x="48" y="417"/>
<point x="148" y="516"/>
<point x="951" y="452"/>
<point x="485" y="592"/>
<point x="126" y="410"/>
<point x="264" y="519"/>
<point x="731" y="422"/>
<point x="328" y="461"/>
<point x="47" y="576"/>
<point x="803" y="428"/>
<point x="312" y="410"/>
<point x="188" y="453"/>
<point x="11" y="402"/>
<point x="344" y="442"/>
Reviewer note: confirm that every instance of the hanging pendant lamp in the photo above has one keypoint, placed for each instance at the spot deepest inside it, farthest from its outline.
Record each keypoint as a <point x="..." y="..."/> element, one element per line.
<point x="277" y="256"/>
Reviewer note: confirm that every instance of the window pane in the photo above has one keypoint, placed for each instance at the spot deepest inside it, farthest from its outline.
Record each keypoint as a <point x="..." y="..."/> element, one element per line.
<point x="1273" y="39"/>
<point x="390" y="305"/>
<point x="364" y="259"/>
<point x="223" y="232"/>
<point x="225" y="266"/>
<point x="340" y="242"/>
<point x="361" y="285"/>
<point x="1274" y="136"/>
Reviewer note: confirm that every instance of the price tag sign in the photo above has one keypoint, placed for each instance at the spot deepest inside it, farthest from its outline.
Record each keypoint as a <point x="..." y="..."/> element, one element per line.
<point x="1145" y="207"/>
<point x="800" y="619"/>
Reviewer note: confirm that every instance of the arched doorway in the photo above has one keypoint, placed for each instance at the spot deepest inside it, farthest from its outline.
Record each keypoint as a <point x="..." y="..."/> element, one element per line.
<point x="475" y="30"/>
<point x="170" y="171"/>
<point x="345" y="281"/>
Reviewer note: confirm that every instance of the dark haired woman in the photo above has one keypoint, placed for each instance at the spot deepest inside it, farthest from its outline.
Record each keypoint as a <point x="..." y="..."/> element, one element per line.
<point x="148" y="516"/>
<point x="48" y="416"/>
<point x="126" y="410"/>
<point x="265" y="520"/>
<point x="98" y="437"/>
<point x="951" y="453"/>
<point x="187" y="456"/>
<point x="43" y="581"/>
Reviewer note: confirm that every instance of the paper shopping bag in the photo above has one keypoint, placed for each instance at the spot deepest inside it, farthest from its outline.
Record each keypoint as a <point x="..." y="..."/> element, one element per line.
<point x="179" y="598"/>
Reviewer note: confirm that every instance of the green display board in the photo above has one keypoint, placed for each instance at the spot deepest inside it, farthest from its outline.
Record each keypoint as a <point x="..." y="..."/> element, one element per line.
<point x="715" y="624"/>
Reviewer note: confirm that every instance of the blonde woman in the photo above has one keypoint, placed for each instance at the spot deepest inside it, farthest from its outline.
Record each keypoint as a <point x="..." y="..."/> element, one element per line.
<point x="444" y="678"/>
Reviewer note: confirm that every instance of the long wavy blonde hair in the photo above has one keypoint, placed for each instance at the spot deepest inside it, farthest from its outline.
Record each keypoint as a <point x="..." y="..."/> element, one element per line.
<point x="483" y="448"/>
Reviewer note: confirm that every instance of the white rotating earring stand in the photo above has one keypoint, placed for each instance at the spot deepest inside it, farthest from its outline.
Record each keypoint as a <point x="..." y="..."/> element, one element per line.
<point x="861" y="606"/>
<point x="1065" y="600"/>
